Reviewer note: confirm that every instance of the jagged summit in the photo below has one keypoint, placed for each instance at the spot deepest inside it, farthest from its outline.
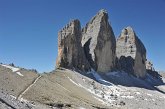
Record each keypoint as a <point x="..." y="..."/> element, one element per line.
<point x="70" y="51"/>
<point x="95" y="47"/>
<point x="99" y="43"/>
<point x="127" y="31"/>
<point x="102" y="15"/>
<point x="103" y="11"/>
<point x="71" y="26"/>
<point x="131" y="53"/>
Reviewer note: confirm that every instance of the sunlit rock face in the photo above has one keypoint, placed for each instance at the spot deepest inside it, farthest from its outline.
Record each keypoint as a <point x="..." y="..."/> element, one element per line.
<point x="150" y="69"/>
<point x="70" y="52"/>
<point x="149" y="65"/>
<point x="131" y="53"/>
<point x="99" y="43"/>
<point x="94" y="47"/>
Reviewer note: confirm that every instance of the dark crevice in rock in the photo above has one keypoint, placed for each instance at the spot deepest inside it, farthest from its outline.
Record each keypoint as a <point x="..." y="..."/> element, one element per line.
<point x="87" y="53"/>
<point x="102" y="44"/>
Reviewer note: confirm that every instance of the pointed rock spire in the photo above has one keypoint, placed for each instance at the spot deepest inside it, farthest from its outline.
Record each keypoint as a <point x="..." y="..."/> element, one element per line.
<point x="99" y="43"/>
<point x="131" y="53"/>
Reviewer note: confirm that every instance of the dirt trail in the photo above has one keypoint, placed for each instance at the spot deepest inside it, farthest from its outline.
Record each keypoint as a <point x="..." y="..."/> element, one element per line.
<point x="26" y="89"/>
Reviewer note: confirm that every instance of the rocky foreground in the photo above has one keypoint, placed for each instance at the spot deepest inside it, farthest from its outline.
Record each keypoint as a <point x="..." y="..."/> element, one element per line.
<point x="65" y="88"/>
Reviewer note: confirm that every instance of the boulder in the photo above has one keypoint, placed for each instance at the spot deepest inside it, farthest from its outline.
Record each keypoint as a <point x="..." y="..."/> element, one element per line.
<point x="99" y="43"/>
<point x="131" y="53"/>
<point x="70" y="52"/>
<point x="149" y="65"/>
<point x="150" y="70"/>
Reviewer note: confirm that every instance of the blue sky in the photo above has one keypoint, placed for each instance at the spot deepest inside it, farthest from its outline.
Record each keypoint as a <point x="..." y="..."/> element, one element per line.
<point x="29" y="28"/>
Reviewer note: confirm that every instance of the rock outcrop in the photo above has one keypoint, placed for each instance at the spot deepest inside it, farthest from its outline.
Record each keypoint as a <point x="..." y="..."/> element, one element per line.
<point x="149" y="65"/>
<point x="94" y="47"/>
<point x="99" y="43"/>
<point x="70" y="52"/>
<point x="131" y="53"/>
<point x="150" y="69"/>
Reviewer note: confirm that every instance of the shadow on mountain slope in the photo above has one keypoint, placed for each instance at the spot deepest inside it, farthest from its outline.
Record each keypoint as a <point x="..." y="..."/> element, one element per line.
<point x="125" y="79"/>
<point x="150" y="82"/>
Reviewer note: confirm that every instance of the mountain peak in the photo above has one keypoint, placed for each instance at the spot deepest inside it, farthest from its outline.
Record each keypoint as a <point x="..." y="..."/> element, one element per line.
<point x="131" y="53"/>
<point x="70" y="51"/>
<point x="99" y="42"/>
<point x="127" y="31"/>
<point x="103" y="11"/>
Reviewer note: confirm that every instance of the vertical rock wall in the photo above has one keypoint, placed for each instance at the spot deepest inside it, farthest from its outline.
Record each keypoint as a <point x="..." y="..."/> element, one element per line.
<point x="95" y="47"/>
<point x="99" y="43"/>
<point x="131" y="53"/>
<point x="70" y="52"/>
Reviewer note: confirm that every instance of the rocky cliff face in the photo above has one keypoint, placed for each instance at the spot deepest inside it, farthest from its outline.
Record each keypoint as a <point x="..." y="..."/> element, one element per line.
<point x="70" y="51"/>
<point x="95" y="47"/>
<point x="131" y="53"/>
<point x="99" y="43"/>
